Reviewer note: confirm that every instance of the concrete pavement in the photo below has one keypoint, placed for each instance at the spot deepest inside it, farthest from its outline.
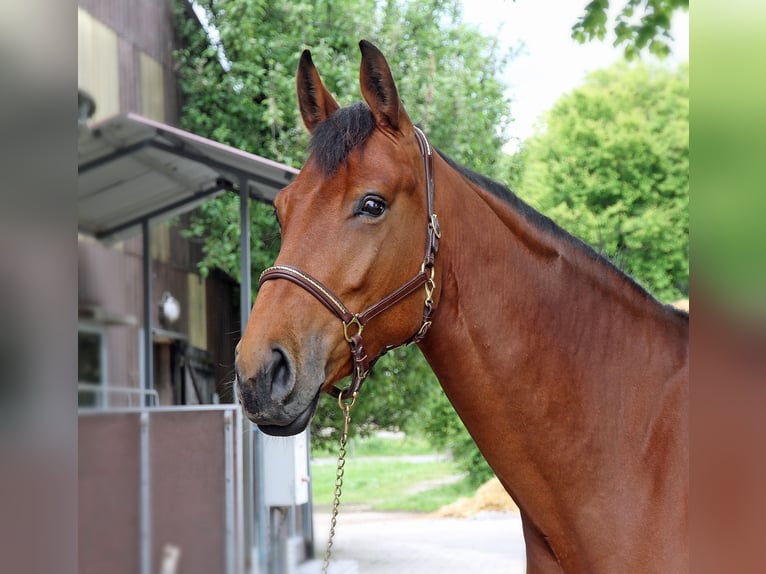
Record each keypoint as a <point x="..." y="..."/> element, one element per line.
<point x="413" y="543"/>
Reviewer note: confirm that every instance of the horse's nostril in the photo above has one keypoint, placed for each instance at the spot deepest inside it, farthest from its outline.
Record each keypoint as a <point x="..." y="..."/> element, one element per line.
<point x="282" y="375"/>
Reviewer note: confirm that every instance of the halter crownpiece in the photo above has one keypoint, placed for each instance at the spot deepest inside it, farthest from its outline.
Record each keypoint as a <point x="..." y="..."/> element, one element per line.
<point x="354" y="323"/>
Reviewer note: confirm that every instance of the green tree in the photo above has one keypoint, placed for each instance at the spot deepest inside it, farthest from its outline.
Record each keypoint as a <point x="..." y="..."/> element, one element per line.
<point x="611" y="165"/>
<point x="640" y="24"/>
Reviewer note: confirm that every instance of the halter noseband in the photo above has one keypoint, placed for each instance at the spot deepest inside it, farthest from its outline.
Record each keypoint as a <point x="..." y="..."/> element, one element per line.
<point x="354" y="323"/>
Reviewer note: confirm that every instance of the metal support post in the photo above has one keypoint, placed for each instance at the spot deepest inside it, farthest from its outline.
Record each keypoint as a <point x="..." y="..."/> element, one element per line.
<point x="148" y="342"/>
<point x="145" y="497"/>
<point x="254" y="521"/>
<point x="228" y="452"/>
<point x="306" y="509"/>
<point x="243" y="550"/>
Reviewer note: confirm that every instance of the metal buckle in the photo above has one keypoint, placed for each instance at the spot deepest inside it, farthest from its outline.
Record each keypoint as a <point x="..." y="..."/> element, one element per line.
<point x="430" y="286"/>
<point x="434" y="224"/>
<point x="354" y="319"/>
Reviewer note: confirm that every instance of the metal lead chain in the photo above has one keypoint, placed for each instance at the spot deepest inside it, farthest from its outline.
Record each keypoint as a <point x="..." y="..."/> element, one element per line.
<point x="346" y="408"/>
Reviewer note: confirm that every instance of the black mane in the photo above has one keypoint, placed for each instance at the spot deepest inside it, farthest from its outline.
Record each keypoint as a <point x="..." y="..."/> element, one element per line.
<point x="547" y="225"/>
<point x="349" y="128"/>
<point x="340" y="134"/>
<point x="543" y="222"/>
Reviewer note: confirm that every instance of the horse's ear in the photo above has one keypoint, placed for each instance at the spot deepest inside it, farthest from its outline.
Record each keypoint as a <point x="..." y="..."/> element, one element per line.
<point x="315" y="102"/>
<point x="379" y="89"/>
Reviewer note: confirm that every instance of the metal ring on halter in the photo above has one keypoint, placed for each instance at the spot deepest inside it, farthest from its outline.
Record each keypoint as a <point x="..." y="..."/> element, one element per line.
<point x="434" y="224"/>
<point x="354" y="321"/>
<point x="344" y="405"/>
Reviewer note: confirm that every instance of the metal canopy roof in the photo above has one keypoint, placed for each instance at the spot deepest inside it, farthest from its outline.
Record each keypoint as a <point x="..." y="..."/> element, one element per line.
<point x="132" y="169"/>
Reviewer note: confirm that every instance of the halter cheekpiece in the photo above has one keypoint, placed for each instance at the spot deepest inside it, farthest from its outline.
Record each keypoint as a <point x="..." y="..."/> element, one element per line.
<point x="354" y="323"/>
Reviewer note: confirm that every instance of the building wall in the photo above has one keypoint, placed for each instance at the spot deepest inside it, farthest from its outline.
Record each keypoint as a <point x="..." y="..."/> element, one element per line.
<point x="125" y="63"/>
<point x="98" y="70"/>
<point x="111" y="300"/>
<point x="125" y="57"/>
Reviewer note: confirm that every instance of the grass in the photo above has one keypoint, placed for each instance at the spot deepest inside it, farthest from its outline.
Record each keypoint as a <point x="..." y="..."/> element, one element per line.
<point x="429" y="500"/>
<point x="379" y="445"/>
<point x="379" y="476"/>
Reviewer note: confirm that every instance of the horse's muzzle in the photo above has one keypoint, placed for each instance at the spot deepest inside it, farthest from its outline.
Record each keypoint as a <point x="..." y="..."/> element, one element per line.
<point x="270" y="398"/>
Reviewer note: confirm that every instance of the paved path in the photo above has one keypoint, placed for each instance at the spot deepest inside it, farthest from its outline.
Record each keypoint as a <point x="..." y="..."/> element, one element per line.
<point x="412" y="543"/>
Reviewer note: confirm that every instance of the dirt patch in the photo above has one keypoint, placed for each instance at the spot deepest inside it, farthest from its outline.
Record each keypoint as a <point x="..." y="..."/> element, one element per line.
<point x="490" y="496"/>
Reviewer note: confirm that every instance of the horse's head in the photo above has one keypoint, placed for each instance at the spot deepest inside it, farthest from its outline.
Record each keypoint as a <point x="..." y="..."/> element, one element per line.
<point x="355" y="226"/>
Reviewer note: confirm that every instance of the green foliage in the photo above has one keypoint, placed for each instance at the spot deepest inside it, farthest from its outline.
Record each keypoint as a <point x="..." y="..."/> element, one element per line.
<point x="640" y="24"/>
<point x="612" y="166"/>
<point x="217" y="223"/>
<point x="395" y="396"/>
<point x="403" y="393"/>
<point x="379" y="445"/>
<point x="447" y="432"/>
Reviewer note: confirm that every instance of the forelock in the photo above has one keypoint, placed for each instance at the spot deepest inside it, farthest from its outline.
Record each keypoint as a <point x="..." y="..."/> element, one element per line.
<point x="336" y="137"/>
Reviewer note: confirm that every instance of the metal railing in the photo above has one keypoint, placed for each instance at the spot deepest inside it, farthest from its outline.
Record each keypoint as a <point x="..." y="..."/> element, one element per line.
<point x="105" y="396"/>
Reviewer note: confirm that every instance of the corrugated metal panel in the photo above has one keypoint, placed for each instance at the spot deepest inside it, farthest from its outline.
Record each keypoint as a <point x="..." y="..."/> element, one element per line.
<point x="132" y="168"/>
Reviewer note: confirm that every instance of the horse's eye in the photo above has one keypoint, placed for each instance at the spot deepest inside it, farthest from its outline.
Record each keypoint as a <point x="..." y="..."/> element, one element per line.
<point x="372" y="206"/>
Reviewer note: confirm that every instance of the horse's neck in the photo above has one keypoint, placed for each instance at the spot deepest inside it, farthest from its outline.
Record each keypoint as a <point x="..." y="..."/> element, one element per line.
<point x="544" y="351"/>
<point x="523" y="299"/>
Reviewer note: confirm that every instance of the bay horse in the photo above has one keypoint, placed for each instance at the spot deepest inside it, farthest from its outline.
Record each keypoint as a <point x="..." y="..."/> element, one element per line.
<point x="571" y="378"/>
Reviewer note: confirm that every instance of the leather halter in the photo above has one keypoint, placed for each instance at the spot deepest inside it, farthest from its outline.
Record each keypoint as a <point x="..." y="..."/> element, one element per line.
<point x="354" y="323"/>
